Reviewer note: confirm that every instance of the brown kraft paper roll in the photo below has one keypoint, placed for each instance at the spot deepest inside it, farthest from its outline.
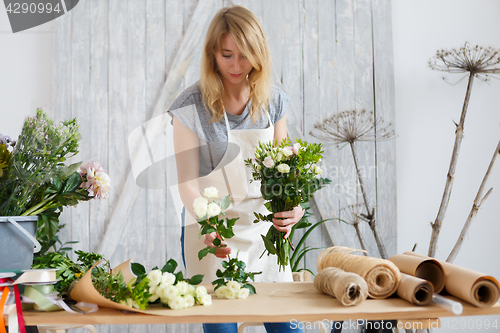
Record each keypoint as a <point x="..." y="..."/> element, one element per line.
<point x="415" y="290"/>
<point x="474" y="287"/>
<point x="425" y="268"/>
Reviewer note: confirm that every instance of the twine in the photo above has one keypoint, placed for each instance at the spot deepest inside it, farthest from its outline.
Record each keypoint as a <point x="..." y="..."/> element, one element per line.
<point x="348" y="288"/>
<point x="381" y="276"/>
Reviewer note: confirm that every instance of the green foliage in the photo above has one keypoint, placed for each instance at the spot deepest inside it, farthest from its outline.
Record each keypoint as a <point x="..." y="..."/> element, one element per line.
<point x="289" y="176"/>
<point x="234" y="269"/>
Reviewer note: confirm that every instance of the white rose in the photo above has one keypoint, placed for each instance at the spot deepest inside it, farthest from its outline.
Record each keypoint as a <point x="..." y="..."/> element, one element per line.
<point x="230" y="294"/>
<point x="287" y="151"/>
<point x="183" y="287"/>
<point x="154" y="277"/>
<point x="221" y="292"/>
<point x="279" y="157"/>
<point x="243" y="293"/>
<point x="191" y="290"/>
<point x="206" y="300"/>
<point x="268" y="162"/>
<point x="177" y="303"/>
<point x="167" y="278"/>
<point x="188" y="301"/>
<point x="152" y="291"/>
<point x="283" y="168"/>
<point x="316" y="169"/>
<point x="211" y="192"/>
<point x="200" y="291"/>
<point x="168" y="293"/>
<point x="213" y="209"/>
<point x="200" y="207"/>
<point x="234" y="286"/>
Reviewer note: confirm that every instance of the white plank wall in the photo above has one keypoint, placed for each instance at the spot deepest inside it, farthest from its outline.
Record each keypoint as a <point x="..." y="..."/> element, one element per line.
<point x="112" y="59"/>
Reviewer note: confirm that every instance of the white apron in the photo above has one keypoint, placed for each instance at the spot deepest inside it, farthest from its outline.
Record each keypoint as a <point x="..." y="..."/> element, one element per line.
<point x="231" y="176"/>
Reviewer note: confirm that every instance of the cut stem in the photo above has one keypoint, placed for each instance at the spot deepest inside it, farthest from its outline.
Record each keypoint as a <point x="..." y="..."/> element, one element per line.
<point x="436" y="226"/>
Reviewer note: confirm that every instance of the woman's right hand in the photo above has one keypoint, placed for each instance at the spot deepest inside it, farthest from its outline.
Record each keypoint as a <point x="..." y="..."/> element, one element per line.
<point x="221" y="252"/>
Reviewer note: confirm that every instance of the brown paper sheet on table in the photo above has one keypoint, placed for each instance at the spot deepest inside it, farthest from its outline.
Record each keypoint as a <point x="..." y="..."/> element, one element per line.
<point x="474" y="287"/>
<point x="425" y="268"/>
<point x="415" y="290"/>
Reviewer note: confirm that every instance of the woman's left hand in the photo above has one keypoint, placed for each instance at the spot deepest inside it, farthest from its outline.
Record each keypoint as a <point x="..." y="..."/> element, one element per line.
<point x="290" y="218"/>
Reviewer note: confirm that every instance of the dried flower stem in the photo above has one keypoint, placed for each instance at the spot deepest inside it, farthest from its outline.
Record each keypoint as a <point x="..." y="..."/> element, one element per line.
<point x="436" y="226"/>
<point x="475" y="206"/>
<point x="358" y="233"/>
<point x="370" y="213"/>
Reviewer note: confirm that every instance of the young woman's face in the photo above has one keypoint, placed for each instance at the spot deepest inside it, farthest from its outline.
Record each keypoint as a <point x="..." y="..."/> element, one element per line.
<point x="232" y="64"/>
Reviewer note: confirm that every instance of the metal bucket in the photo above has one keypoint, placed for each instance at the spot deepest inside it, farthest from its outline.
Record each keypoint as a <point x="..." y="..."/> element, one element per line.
<point x="17" y="242"/>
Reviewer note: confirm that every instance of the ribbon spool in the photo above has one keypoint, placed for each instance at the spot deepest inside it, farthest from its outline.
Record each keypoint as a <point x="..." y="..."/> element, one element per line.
<point x="348" y="288"/>
<point x="381" y="276"/>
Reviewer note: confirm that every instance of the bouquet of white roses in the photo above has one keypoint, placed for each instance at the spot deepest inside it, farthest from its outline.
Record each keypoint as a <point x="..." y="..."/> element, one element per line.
<point x="289" y="176"/>
<point x="207" y="210"/>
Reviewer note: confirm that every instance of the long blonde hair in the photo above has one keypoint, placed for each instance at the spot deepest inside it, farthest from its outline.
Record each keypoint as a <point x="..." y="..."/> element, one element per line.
<point x="247" y="33"/>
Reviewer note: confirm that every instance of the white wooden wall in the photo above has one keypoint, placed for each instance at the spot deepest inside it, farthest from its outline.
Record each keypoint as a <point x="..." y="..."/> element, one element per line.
<point x="112" y="59"/>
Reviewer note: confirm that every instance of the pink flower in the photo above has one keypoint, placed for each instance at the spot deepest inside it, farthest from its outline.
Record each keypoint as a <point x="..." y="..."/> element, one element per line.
<point x="95" y="180"/>
<point x="268" y="162"/>
<point x="295" y="148"/>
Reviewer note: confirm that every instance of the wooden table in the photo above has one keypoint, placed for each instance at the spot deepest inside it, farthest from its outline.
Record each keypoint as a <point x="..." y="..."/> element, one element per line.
<point x="275" y="302"/>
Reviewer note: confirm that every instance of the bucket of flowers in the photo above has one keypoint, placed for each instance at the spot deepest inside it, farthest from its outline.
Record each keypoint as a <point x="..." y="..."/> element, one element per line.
<point x="36" y="183"/>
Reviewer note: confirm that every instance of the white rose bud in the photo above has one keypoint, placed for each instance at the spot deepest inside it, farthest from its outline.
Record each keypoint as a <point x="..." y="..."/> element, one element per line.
<point x="191" y="290"/>
<point x="268" y="162"/>
<point x="213" y="209"/>
<point x="177" y="303"/>
<point x="234" y="286"/>
<point x="188" y="301"/>
<point x="243" y="293"/>
<point x="258" y="167"/>
<point x="221" y="292"/>
<point x="200" y="207"/>
<point x="200" y="291"/>
<point x="154" y="277"/>
<point x="279" y="157"/>
<point x="183" y="287"/>
<point x="211" y="192"/>
<point x="206" y="300"/>
<point x="167" y="278"/>
<point x="283" y="168"/>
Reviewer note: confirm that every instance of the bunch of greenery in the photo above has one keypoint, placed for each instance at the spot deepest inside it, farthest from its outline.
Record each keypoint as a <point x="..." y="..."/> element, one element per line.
<point x="289" y="176"/>
<point x="35" y="179"/>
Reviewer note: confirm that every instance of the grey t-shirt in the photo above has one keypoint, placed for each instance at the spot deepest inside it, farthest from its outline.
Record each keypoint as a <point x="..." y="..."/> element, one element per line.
<point x="189" y="109"/>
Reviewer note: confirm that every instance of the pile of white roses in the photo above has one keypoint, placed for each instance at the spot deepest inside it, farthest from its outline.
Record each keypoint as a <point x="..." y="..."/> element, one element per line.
<point x="232" y="290"/>
<point x="203" y="208"/>
<point x="179" y="296"/>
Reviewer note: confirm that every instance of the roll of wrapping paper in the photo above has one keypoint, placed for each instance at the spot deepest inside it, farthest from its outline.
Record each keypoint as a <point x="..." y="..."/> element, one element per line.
<point x="348" y="288"/>
<point x="474" y="287"/>
<point x="381" y="276"/>
<point x="415" y="290"/>
<point x="425" y="268"/>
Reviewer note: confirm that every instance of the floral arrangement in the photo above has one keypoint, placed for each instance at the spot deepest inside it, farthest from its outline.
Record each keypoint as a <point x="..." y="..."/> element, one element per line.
<point x="289" y="176"/>
<point x="34" y="179"/>
<point x="207" y="212"/>
<point x="233" y="281"/>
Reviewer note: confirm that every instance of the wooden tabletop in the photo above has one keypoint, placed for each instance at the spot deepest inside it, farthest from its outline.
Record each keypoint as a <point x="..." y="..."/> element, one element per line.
<point x="274" y="302"/>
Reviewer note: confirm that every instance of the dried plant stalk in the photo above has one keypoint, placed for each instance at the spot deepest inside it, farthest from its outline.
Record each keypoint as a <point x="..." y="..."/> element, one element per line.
<point x="478" y="62"/>
<point x="478" y="201"/>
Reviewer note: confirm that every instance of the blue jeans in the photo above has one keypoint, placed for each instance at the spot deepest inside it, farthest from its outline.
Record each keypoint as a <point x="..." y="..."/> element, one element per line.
<point x="233" y="328"/>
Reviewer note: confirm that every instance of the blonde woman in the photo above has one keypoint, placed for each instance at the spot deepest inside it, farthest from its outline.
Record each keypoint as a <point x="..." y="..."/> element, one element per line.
<point x="217" y="124"/>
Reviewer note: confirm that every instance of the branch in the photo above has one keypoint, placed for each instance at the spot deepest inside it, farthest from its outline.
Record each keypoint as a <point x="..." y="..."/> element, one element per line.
<point x="475" y="207"/>
<point x="436" y="226"/>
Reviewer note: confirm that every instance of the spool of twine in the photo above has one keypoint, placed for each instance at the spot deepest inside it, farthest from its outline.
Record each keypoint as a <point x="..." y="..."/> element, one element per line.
<point x="381" y="276"/>
<point x="348" y="288"/>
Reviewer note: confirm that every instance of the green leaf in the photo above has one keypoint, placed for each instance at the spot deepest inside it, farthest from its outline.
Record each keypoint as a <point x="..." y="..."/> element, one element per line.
<point x="241" y="265"/>
<point x="72" y="183"/>
<point x="269" y="245"/>
<point x="203" y="252"/>
<point x="196" y="279"/>
<point x="231" y="222"/>
<point x="217" y="242"/>
<point x="179" y="277"/>
<point x="225" y="202"/>
<point x="170" y="266"/>
<point x="138" y="269"/>
<point x="226" y="233"/>
<point x="207" y="229"/>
